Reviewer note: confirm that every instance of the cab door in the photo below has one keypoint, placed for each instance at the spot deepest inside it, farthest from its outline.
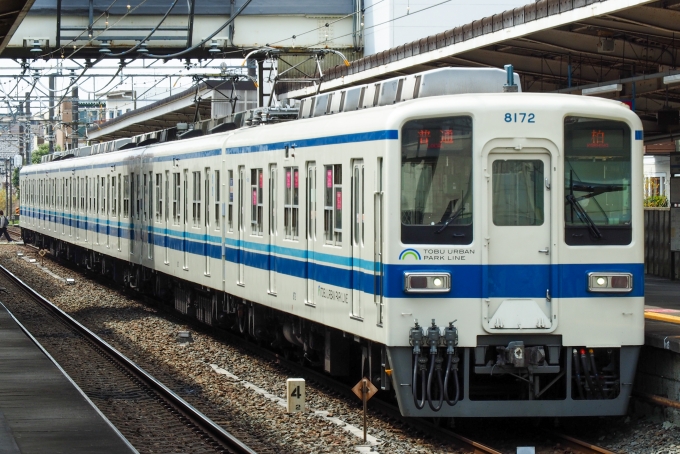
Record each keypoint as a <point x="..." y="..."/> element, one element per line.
<point x="518" y="258"/>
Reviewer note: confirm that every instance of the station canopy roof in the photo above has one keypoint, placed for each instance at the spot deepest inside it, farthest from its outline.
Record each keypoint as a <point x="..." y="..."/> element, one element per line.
<point x="12" y="12"/>
<point x="618" y="49"/>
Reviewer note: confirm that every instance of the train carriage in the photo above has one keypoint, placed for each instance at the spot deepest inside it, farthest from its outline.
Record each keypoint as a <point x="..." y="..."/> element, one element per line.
<point x="473" y="251"/>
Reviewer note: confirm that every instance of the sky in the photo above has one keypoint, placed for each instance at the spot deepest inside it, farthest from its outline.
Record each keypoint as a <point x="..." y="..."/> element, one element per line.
<point x="388" y="23"/>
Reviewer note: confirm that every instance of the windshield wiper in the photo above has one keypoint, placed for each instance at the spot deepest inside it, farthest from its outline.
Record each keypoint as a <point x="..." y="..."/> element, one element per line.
<point x="583" y="215"/>
<point x="451" y="218"/>
<point x="595" y="189"/>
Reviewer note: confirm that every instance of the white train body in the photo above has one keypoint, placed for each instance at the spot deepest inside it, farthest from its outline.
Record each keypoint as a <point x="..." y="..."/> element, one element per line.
<point x="343" y="230"/>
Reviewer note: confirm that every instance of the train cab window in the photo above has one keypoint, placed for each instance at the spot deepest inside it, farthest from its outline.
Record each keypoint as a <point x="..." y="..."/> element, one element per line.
<point x="126" y="196"/>
<point x="230" y="212"/>
<point x="291" y="203"/>
<point x="332" y="220"/>
<point x="436" y="181"/>
<point x="597" y="180"/>
<point x="256" y="186"/>
<point x="196" y="199"/>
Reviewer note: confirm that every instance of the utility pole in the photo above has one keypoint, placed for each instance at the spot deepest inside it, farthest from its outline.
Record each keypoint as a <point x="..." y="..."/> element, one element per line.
<point x="27" y="157"/>
<point x="50" y="126"/>
<point x="75" y="121"/>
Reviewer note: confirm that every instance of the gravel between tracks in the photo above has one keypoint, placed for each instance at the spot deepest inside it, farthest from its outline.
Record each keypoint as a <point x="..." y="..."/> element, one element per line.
<point x="149" y="338"/>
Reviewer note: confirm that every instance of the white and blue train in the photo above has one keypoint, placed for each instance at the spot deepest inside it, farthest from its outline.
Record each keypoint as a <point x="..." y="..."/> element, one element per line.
<point x="475" y="251"/>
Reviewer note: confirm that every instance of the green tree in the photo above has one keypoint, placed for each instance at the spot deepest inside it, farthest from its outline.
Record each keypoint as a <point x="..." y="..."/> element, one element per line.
<point x="41" y="151"/>
<point x="15" y="179"/>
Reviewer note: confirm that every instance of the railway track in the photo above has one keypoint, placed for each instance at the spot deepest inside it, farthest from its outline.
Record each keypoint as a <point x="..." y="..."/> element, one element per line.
<point x="14" y="232"/>
<point x="465" y="443"/>
<point x="104" y="374"/>
<point x="390" y="411"/>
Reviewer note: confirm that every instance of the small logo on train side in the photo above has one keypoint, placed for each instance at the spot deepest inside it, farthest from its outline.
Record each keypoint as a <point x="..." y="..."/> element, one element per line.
<point x="409" y="253"/>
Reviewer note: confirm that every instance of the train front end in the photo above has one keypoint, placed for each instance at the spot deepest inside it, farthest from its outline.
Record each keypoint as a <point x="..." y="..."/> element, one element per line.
<point x="514" y="278"/>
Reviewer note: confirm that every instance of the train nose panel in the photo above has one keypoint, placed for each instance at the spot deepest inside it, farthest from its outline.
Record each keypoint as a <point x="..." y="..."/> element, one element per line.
<point x="519" y="314"/>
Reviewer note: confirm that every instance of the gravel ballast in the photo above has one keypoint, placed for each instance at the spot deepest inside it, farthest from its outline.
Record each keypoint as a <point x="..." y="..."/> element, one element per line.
<point x="149" y="337"/>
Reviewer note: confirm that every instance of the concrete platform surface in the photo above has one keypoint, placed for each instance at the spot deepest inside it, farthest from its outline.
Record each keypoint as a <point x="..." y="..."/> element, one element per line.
<point x="41" y="409"/>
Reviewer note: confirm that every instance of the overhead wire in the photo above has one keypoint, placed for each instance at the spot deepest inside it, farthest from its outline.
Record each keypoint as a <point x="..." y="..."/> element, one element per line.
<point x="70" y="56"/>
<point x="137" y="46"/>
<point x="50" y="53"/>
<point x="189" y="49"/>
<point x="387" y="21"/>
<point x="295" y="36"/>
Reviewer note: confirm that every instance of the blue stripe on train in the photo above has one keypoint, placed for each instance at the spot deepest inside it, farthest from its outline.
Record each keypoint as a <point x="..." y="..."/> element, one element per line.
<point x="387" y="134"/>
<point x="468" y="281"/>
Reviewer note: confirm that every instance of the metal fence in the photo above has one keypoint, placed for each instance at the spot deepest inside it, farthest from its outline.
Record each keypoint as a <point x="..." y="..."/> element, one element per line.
<point x="658" y="255"/>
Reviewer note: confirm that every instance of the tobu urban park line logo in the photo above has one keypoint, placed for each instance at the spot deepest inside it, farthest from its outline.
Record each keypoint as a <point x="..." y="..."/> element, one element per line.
<point x="406" y="253"/>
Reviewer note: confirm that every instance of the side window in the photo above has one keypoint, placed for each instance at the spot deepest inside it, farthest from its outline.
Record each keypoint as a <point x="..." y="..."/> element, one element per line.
<point x="137" y="197"/>
<point x="196" y="199"/>
<point x="159" y="197"/>
<point x="126" y="196"/>
<point x="102" y="186"/>
<point x="291" y="203"/>
<point x="230" y="212"/>
<point x="145" y="202"/>
<point x="332" y="222"/>
<point x="206" y="191"/>
<point x="256" y="183"/>
<point x="81" y="193"/>
<point x="218" y="191"/>
<point x="176" y="186"/>
<point x="114" y="197"/>
<point x="148" y="194"/>
<point x="167" y="194"/>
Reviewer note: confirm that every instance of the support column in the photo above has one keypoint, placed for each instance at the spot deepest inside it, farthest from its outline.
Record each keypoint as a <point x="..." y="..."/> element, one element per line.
<point x="75" y="120"/>
<point x="50" y="126"/>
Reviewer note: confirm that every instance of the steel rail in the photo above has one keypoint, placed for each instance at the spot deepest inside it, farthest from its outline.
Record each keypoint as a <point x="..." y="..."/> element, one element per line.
<point x="197" y="418"/>
<point x="579" y="444"/>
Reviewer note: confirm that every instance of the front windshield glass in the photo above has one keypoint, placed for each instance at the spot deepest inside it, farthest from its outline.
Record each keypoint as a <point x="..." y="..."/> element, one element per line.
<point x="597" y="179"/>
<point x="436" y="191"/>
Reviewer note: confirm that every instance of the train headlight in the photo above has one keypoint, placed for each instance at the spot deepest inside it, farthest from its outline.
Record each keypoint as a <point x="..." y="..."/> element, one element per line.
<point x="427" y="282"/>
<point x="610" y="282"/>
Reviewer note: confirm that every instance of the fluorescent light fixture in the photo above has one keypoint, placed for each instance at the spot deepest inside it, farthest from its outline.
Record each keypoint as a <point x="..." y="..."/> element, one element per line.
<point x="613" y="88"/>
<point x="674" y="79"/>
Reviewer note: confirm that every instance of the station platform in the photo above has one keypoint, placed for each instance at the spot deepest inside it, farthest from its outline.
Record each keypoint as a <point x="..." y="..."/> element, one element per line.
<point x="656" y="389"/>
<point x="662" y="313"/>
<point x="41" y="409"/>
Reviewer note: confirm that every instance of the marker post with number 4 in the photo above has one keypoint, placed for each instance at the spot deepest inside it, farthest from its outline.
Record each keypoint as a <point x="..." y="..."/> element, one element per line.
<point x="364" y="390"/>
<point x="296" y="394"/>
